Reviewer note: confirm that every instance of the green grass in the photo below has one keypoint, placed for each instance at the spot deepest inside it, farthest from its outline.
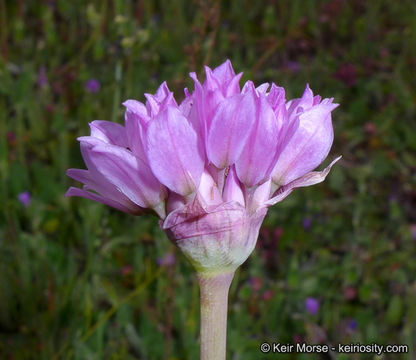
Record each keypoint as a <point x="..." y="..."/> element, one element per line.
<point x="79" y="280"/>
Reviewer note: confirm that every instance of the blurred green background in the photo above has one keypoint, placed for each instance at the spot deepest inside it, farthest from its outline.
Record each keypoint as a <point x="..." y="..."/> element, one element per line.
<point x="335" y="263"/>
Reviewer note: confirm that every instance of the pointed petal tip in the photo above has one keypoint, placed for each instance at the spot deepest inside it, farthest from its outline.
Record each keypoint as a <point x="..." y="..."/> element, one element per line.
<point x="90" y="140"/>
<point x="335" y="160"/>
<point x="248" y="87"/>
<point x="72" y="191"/>
<point x="96" y="123"/>
<point x="194" y="77"/>
<point x="229" y="66"/>
<point x="207" y="69"/>
<point x="83" y="138"/>
<point x="70" y="172"/>
<point x="127" y="103"/>
<point x="311" y="178"/>
<point x="226" y="66"/>
<point x="307" y="93"/>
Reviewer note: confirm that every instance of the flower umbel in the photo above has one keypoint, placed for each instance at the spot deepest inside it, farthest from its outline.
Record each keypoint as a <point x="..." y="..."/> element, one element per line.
<point x="211" y="166"/>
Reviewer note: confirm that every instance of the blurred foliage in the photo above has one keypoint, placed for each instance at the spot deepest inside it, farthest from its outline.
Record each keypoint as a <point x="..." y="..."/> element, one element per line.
<point x="81" y="281"/>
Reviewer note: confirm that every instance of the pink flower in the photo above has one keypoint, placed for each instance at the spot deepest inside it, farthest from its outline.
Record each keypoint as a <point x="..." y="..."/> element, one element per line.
<point x="210" y="166"/>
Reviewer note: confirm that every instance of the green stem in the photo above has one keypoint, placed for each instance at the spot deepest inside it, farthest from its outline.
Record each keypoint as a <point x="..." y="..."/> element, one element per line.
<point x="214" y="301"/>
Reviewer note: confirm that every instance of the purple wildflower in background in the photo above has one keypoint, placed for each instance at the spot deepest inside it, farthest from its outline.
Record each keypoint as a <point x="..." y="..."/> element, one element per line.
<point x="293" y="66"/>
<point x="413" y="231"/>
<point x="42" y="77"/>
<point x="92" y="86"/>
<point x="126" y="270"/>
<point x="306" y="223"/>
<point x="256" y="283"/>
<point x="352" y="325"/>
<point x="350" y="293"/>
<point x="11" y="137"/>
<point x="347" y="74"/>
<point x="167" y="260"/>
<point x="24" y="198"/>
<point x="312" y="305"/>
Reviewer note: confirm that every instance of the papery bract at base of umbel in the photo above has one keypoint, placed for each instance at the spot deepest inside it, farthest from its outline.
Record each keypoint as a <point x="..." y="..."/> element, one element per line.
<point x="215" y="240"/>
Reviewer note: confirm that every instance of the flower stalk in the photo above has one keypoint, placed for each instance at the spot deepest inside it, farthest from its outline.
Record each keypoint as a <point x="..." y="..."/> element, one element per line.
<point x="214" y="303"/>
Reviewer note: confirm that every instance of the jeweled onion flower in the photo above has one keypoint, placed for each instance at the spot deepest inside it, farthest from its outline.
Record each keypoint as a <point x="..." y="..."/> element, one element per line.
<point x="209" y="168"/>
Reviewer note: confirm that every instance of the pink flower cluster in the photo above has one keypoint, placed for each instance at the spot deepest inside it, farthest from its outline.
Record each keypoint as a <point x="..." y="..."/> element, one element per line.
<point x="210" y="166"/>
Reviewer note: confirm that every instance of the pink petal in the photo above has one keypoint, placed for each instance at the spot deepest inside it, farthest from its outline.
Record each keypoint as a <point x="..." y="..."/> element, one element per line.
<point x="97" y="182"/>
<point x="233" y="86"/>
<point x="152" y="104"/>
<point x="136" y="120"/>
<point x="128" y="173"/>
<point x="186" y="105"/>
<point x="224" y="79"/>
<point x="248" y="86"/>
<point x="159" y="101"/>
<point x="198" y="114"/>
<point x="218" y="175"/>
<point x="225" y="72"/>
<point x="316" y="99"/>
<point x="208" y="190"/>
<point x="206" y="99"/>
<point x="276" y="96"/>
<point x="232" y="188"/>
<point x="259" y="154"/>
<point x="109" y="132"/>
<point x="174" y="201"/>
<point x="162" y="92"/>
<point x="308" y="147"/>
<point x="105" y="188"/>
<point x="260" y="196"/>
<point x="137" y="108"/>
<point x="230" y="129"/>
<point x="261" y="89"/>
<point x="211" y="83"/>
<point x="87" y="143"/>
<point x="92" y="178"/>
<point x="304" y="103"/>
<point x="312" y="178"/>
<point x="131" y="208"/>
<point x="174" y="153"/>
